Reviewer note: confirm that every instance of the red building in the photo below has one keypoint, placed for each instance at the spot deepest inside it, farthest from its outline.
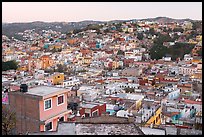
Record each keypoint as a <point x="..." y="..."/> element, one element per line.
<point x="128" y="62"/>
<point x="92" y="109"/>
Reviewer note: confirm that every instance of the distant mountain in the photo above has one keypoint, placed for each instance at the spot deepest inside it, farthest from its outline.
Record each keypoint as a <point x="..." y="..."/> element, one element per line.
<point x="166" y="20"/>
<point x="11" y="29"/>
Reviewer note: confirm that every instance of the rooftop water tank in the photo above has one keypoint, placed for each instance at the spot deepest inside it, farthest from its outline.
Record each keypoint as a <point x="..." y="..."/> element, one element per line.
<point x="23" y="88"/>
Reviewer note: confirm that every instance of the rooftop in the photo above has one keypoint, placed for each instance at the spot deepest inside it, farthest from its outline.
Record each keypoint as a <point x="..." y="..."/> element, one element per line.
<point x="93" y="129"/>
<point x="88" y="105"/>
<point x="107" y="129"/>
<point x="45" y="90"/>
<point x="151" y="131"/>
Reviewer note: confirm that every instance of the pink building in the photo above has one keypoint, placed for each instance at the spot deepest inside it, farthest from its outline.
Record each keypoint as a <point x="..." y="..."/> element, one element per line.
<point x="39" y="108"/>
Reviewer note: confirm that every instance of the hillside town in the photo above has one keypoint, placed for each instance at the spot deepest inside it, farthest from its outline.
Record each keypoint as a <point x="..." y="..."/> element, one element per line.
<point x="125" y="78"/>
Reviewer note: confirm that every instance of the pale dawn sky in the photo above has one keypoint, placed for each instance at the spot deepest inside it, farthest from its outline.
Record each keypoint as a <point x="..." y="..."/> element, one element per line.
<point x="100" y="11"/>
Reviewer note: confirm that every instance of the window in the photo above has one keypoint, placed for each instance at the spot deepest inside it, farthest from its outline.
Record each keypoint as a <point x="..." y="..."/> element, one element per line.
<point x="47" y="104"/>
<point x="60" y="99"/>
<point x="48" y="126"/>
<point x="61" y="119"/>
<point x="87" y="115"/>
<point x="95" y="113"/>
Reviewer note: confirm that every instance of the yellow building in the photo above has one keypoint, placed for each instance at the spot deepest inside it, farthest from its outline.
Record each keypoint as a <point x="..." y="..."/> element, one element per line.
<point x="23" y="68"/>
<point x="199" y="38"/>
<point x="124" y="29"/>
<point x="56" y="47"/>
<point x="57" y="78"/>
<point x="87" y="60"/>
<point x="115" y="64"/>
<point x="156" y="119"/>
<point x="191" y="41"/>
<point x="138" y="104"/>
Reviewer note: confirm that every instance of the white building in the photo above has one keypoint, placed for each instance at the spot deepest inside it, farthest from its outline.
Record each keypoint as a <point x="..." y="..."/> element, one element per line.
<point x="187" y="70"/>
<point x="187" y="57"/>
<point x="72" y="81"/>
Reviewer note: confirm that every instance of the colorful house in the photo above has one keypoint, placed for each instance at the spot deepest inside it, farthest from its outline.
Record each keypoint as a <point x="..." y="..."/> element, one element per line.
<point x="56" y="78"/>
<point x="92" y="109"/>
<point x="155" y="119"/>
<point x="23" y="68"/>
<point x="72" y="41"/>
<point x="46" y="61"/>
<point x="39" y="108"/>
<point x="98" y="45"/>
<point x="34" y="64"/>
<point x="87" y="60"/>
<point x="46" y="46"/>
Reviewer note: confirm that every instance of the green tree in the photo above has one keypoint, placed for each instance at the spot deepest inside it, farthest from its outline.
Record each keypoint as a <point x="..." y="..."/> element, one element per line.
<point x="178" y="29"/>
<point x="158" y="51"/>
<point x="118" y="26"/>
<point x="120" y="52"/>
<point x="179" y="50"/>
<point x="143" y="46"/>
<point x="77" y="31"/>
<point x="140" y="36"/>
<point x="175" y="37"/>
<point x="8" y="120"/>
<point x="163" y="38"/>
<point x="151" y="31"/>
<point x="106" y="31"/>
<point x="60" y="68"/>
<point x="197" y="25"/>
<point x="199" y="52"/>
<point x="9" y="65"/>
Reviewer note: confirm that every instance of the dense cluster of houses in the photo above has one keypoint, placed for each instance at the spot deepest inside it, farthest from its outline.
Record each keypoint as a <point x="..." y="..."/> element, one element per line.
<point x="62" y="78"/>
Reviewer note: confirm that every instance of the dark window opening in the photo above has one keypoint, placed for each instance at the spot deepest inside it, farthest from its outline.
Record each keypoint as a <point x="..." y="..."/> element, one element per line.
<point x="48" y="126"/>
<point x="60" y="100"/>
<point x="61" y="119"/>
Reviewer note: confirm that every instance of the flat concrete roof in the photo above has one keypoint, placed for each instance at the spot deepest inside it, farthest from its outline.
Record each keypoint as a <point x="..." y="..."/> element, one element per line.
<point x="93" y="129"/>
<point x="45" y="90"/>
<point x="107" y="129"/>
<point x="152" y="131"/>
<point x="63" y="129"/>
<point x="88" y="105"/>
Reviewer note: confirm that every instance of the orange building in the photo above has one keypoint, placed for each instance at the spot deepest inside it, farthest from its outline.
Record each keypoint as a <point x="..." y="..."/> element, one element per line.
<point x="34" y="64"/>
<point x="46" y="61"/>
<point x="196" y="49"/>
<point x="72" y="41"/>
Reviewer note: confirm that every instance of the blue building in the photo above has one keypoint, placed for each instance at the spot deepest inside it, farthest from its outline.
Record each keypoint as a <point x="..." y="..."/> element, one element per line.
<point x="98" y="45"/>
